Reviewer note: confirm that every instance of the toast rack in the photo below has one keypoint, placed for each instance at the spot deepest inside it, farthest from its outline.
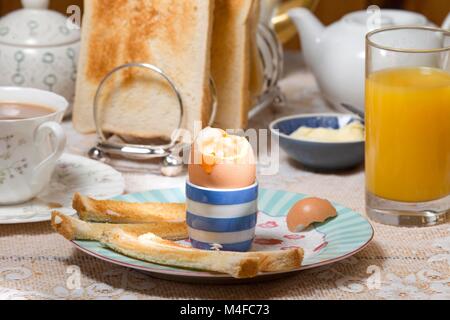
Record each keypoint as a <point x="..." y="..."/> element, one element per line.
<point x="271" y="53"/>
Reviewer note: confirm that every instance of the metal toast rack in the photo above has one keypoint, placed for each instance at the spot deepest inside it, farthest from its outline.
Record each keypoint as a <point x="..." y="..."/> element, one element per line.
<point x="110" y="145"/>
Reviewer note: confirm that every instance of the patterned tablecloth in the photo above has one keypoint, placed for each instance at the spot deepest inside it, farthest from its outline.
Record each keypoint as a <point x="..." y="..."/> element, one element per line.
<point x="36" y="263"/>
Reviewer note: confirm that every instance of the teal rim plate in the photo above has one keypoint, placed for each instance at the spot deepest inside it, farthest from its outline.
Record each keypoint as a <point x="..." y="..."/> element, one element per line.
<point x="335" y="240"/>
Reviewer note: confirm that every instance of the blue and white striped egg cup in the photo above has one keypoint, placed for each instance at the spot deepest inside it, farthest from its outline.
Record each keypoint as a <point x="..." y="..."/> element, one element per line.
<point x="222" y="219"/>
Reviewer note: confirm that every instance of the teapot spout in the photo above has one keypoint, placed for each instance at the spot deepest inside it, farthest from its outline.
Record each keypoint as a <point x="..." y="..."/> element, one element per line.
<point x="309" y="28"/>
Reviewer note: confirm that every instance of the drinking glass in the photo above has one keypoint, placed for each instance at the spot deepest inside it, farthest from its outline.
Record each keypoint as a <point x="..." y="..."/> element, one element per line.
<point x="408" y="126"/>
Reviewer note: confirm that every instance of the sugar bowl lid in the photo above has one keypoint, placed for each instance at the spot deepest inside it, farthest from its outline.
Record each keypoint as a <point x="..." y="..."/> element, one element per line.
<point x="36" y="26"/>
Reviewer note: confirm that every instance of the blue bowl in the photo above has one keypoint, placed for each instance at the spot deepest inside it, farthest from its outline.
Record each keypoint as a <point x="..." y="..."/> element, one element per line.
<point x="321" y="156"/>
<point x="222" y="219"/>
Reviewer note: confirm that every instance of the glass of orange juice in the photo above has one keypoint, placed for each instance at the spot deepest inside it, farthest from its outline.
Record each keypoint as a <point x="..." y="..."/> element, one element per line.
<point x="408" y="126"/>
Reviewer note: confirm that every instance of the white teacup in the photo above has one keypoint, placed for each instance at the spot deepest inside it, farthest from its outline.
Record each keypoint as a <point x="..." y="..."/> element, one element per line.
<point x="30" y="147"/>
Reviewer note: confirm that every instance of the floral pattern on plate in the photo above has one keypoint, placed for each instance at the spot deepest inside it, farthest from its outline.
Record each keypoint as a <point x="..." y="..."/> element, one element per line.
<point x="72" y="174"/>
<point x="326" y="243"/>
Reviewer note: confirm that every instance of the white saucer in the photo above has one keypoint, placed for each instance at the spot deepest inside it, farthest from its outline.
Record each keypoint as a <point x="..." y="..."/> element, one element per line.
<point x="73" y="174"/>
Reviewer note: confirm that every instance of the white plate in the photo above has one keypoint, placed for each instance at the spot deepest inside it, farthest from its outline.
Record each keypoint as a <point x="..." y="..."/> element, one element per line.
<point x="73" y="174"/>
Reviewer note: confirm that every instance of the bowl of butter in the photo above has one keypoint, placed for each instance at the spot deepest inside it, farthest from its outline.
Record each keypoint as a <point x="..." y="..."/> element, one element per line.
<point x="322" y="141"/>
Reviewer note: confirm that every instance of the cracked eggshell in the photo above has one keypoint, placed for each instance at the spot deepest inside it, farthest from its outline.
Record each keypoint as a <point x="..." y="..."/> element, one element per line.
<point x="308" y="211"/>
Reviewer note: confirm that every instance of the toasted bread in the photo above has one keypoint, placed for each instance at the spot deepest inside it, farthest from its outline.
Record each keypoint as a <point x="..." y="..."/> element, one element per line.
<point x="150" y="242"/>
<point x="174" y="35"/>
<point x="153" y="249"/>
<point x="122" y="212"/>
<point x="256" y="63"/>
<point x="75" y="229"/>
<point x="280" y="261"/>
<point x="230" y="61"/>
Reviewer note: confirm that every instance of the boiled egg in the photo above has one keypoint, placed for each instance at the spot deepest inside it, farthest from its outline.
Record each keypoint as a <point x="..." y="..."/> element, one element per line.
<point x="221" y="161"/>
<point x="308" y="211"/>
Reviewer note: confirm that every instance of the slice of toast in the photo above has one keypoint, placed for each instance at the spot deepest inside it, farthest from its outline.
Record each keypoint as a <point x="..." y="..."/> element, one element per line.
<point x="174" y="35"/>
<point x="256" y="63"/>
<point x="75" y="229"/>
<point x="230" y="61"/>
<point x="153" y="249"/>
<point x="111" y="211"/>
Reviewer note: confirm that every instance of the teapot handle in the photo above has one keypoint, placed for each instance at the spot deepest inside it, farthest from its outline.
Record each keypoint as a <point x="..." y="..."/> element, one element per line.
<point x="446" y="25"/>
<point x="36" y="4"/>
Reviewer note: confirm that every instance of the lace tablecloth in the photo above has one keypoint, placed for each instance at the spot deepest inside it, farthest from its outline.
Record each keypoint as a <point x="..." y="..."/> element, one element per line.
<point x="36" y="263"/>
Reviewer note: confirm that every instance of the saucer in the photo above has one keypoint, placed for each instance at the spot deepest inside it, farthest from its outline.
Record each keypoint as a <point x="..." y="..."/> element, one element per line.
<point x="72" y="174"/>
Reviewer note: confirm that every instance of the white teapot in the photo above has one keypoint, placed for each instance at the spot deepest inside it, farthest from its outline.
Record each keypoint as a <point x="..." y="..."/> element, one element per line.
<point x="39" y="48"/>
<point x="336" y="54"/>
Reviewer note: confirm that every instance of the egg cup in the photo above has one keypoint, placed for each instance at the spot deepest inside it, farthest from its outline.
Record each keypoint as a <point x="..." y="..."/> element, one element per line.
<point x="222" y="219"/>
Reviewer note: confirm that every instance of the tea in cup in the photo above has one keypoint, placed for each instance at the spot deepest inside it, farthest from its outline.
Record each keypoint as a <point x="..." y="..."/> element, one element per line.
<point x="31" y="141"/>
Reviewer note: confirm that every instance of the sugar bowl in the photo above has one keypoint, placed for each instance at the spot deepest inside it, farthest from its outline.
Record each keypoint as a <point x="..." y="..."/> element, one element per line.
<point x="39" y="48"/>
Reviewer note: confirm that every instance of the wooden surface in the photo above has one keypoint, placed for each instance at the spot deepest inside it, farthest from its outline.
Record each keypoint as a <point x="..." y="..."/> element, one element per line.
<point x="435" y="10"/>
<point x="332" y="10"/>
<point x="60" y="5"/>
<point x="328" y="10"/>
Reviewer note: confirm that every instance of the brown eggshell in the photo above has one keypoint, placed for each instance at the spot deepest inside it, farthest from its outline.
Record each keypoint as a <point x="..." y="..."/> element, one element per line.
<point x="309" y="211"/>
<point x="223" y="175"/>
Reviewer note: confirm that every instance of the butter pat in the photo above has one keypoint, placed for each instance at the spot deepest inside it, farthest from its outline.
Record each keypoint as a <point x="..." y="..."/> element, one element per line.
<point x="352" y="132"/>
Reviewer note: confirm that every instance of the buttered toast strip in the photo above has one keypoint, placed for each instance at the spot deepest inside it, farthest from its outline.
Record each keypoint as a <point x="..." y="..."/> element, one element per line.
<point x="153" y="249"/>
<point x="240" y="265"/>
<point x="75" y="229"/>
<point x="125" y="212"/>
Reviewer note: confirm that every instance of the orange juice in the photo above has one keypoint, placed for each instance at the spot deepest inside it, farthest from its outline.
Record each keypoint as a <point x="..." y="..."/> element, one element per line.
<point x="408" y="134"/>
